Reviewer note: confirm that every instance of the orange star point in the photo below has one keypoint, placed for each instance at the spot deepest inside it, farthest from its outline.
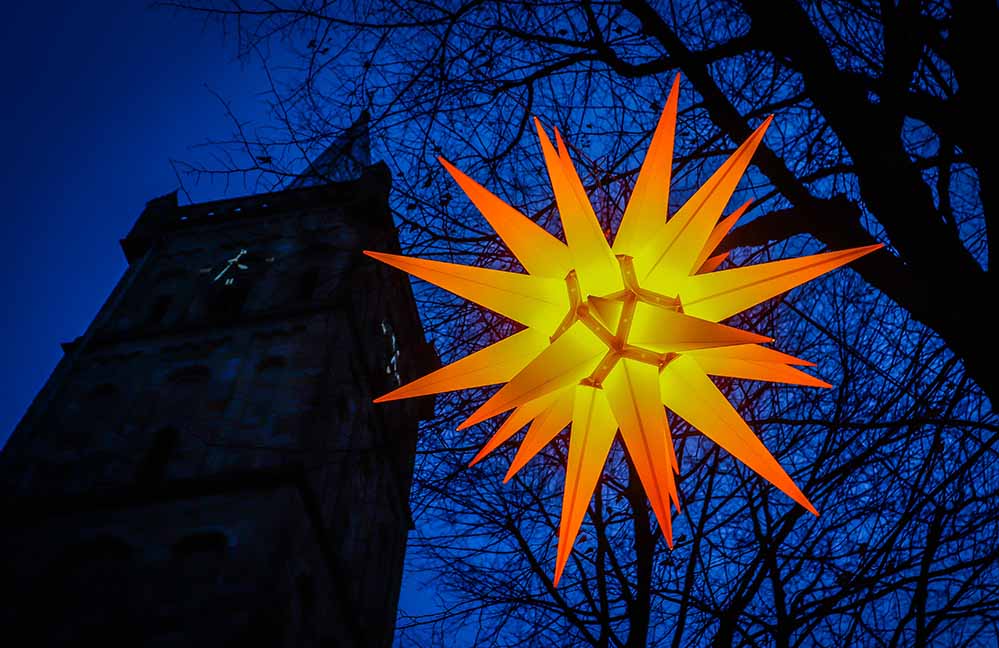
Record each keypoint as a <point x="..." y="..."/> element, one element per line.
<point x="618" y="334"/>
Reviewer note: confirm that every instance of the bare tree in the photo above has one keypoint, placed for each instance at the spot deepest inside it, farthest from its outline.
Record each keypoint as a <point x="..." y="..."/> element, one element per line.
<point x="882" y="134"/>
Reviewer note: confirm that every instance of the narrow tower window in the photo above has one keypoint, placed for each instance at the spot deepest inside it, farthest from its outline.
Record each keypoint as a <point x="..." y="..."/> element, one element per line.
<point x="308" y="283"/>
<point x="159" y="310"/>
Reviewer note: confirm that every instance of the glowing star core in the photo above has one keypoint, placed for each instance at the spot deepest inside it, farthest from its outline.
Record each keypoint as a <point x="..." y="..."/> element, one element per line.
<point x="615" y="335"/>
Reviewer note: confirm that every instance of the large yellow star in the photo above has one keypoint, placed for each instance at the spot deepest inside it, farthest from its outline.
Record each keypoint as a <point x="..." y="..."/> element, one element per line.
<point x="613" y="333"/>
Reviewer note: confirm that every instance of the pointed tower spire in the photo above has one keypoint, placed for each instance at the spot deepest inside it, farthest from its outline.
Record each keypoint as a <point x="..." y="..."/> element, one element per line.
<point x="343" y="160"/>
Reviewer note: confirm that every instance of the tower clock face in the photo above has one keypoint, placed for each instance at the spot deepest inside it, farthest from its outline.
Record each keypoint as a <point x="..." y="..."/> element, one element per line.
<point x="229" y="281"/>
<point x="235" y="269"/>
<point x="226" y="272"/>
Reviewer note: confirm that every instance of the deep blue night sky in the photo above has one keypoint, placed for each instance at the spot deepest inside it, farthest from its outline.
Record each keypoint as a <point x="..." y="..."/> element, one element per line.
<point x="99" y="97"/>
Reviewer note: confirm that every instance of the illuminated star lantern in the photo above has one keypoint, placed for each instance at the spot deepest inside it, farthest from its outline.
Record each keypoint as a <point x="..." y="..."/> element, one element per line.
<point x="613" y="333"/>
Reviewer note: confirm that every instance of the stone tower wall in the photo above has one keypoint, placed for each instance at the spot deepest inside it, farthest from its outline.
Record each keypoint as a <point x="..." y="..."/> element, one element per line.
<point x="206" y="462"/>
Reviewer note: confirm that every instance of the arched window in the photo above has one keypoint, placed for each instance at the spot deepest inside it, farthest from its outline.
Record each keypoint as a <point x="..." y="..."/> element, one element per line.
<point x="321" y="265"/>
<point x="266" y="390"/>
<point x="166" y="288"/>
<point x="153" y="468"/>
<point x="188" y="390"/>
<point x="190" y="374"/>
<point x="198" y="558"/>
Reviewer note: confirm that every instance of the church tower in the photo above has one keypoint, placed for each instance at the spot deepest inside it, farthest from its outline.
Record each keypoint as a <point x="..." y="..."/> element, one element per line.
<point x="205" y="466"/>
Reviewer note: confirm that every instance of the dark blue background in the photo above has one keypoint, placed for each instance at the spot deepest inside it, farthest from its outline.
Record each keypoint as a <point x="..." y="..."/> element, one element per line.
<point x="99" y="97"/>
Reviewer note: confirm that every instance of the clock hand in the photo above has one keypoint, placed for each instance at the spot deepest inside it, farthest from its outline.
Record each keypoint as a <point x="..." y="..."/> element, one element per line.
<point x="230" y="263"/>
<point x="219" y="275"/>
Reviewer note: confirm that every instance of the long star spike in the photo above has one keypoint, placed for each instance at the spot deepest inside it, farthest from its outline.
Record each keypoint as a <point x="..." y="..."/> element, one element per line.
<point x="543" y="429"/>
<point x="688" y="392"/>
<point x="670" y="331"/>
<point x="711" y="263"/>
<point x="763" y="371"/>
<point x="720" y="231"/>
<point x="592" y="259"/>
<point x="672" y="253"/>
<point x="572" y="176"/>
<point x="645" y="213"/>
<point x="593" y="429"/>
<point x="494" y="364"/>
<point x="721" y="294"/>
<point x="538" y="302"/>
<point x="633" y="392"/>
<point x="569" y="359"/>
<point x="541" y="254"/>
<point x="751" y="353"/>
<point x="520" y="417"/>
